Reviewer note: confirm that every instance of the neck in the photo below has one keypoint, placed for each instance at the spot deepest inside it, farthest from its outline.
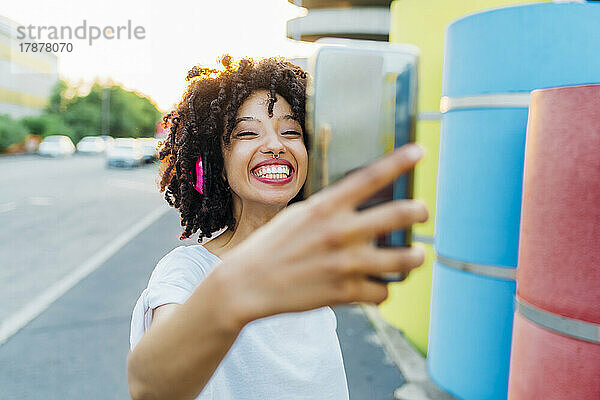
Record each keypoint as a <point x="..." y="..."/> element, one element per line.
<point x="248" y="217"/>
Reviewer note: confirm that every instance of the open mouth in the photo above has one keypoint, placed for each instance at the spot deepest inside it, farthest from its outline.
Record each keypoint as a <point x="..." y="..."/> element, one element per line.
<point x="279" y="172"/>
<point x="272" y="172"/>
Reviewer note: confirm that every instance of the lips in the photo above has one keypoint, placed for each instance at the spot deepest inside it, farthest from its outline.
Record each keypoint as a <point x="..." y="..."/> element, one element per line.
<point x="281" y="181"/>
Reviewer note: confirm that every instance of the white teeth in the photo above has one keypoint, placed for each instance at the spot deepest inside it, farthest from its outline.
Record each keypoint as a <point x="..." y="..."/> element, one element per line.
<point x="275" y="171"/>
<point x="272" y="175"/>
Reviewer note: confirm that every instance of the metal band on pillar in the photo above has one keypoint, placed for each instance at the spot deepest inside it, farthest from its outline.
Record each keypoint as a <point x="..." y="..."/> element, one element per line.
<point x="429" y="116"/>
<point x="422" y="238"/>
<point x="491" y="271"/>
<point x="498" y="100"/>
<point x="575" y="328"/>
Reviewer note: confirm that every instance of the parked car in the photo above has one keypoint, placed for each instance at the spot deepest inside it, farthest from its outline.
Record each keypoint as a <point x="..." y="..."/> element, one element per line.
<point x="126" y="152"/>
<point x="108" y="140"/>
<point x="149" y="146"/>
<point x="56" y="146"/>
<point x="91" y="145"/>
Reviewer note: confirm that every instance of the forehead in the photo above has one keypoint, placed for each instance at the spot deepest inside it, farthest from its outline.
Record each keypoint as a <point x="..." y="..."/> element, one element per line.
<point x="257" y="104"/>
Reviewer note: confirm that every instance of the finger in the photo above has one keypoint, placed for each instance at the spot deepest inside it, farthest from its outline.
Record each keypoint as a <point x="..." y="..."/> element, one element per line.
<point x="365" y="182"/>
<point x="395" y="260"/>
<point x="385" y="218"/>
<point x="360" y="290"/>
<point x="389" y="278"/>
<point x="373" y="292"/>
<point x="367" y="259"/>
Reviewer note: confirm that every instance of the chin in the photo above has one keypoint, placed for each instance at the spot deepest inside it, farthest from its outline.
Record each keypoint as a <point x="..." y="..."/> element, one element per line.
<point x="280" y="201"/>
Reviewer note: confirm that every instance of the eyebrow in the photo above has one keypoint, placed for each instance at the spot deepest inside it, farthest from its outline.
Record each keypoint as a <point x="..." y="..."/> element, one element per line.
<point x="288" y="116"/>
<point x="283" y="117"/>
<point x="238" y="120"/>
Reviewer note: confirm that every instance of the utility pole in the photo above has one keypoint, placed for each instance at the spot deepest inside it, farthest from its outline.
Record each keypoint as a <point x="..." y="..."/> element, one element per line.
<point x="106" y="111"/>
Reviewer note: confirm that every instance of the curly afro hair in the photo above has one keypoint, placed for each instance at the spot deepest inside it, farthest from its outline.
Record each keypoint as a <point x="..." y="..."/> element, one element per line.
<point x="202" y="123"/>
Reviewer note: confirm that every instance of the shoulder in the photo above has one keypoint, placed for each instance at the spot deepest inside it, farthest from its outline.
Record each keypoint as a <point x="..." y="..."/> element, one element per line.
<point x="173" y="280"/>
<point x="177" y="275"/>
<point x="184" y="263"/>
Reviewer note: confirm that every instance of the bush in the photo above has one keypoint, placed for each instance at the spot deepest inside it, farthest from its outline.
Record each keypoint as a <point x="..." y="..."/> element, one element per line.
<point x="11" y="132"/>
<point x="47" y="125"/>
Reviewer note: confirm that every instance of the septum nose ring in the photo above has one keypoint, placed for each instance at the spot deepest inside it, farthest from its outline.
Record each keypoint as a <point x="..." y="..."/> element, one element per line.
<point x="275" y="157"/>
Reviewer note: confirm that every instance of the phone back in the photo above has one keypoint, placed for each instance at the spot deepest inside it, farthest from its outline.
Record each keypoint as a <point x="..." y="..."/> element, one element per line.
<point x="361" y="104"/>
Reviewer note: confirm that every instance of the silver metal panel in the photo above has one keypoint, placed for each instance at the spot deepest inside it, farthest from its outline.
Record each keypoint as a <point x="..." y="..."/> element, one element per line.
<point x="373" y="21"/>
<point x="496" y="100"/>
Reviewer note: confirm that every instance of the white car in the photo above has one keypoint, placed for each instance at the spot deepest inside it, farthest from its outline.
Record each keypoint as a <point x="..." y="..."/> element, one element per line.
<point x="56" y="146"/>
<point x="91" y="145"/>
<point x="108" y="140"/>
<point x="125" y="152"/>
<point x="150" y="149"/>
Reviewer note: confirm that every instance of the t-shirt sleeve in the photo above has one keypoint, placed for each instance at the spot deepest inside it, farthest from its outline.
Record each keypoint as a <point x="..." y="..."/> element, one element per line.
<point x="174" y="279"/>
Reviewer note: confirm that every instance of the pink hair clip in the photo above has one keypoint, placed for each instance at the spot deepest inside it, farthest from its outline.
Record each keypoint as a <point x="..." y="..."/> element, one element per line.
<point x="199" y="176"/>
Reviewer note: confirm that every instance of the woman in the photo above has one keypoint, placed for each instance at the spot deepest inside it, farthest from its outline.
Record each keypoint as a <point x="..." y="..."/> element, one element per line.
<point x="235" y="159"/>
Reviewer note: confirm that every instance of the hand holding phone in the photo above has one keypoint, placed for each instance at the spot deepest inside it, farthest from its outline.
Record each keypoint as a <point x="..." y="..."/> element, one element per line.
<point x="361" y="104"/>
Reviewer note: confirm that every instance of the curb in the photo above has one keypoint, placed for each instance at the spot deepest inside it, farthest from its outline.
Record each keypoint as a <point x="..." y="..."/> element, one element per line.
<point x="13" y="154"/>
<point x="411" y="363"/>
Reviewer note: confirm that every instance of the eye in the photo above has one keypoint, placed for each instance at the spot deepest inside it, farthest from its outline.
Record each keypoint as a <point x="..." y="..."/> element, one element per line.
<point x="245" y="134"/>
<point x="292" y="133"/>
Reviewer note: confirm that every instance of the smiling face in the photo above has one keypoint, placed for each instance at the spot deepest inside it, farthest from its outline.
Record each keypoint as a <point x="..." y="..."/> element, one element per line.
<point x="255" y="177"/>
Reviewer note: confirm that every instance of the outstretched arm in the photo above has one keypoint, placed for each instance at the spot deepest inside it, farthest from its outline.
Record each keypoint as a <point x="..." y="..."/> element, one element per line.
<point x="314" y="253"/>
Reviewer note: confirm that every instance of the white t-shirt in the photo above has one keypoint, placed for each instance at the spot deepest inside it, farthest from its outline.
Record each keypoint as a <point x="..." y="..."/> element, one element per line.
<point x="285" y="356"/>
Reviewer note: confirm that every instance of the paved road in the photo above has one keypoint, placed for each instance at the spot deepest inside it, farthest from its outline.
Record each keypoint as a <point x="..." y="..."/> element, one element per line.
<point x="77" y="347"/>
<point x="56" y="213"/>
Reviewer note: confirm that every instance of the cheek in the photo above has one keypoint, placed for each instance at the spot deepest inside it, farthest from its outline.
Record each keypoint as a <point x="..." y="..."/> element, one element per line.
<point x="303" y="160"/>
<point x="236" y="163"/>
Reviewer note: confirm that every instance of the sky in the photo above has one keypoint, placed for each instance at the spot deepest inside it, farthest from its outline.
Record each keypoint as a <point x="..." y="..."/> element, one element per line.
<point x="177" y="35"/>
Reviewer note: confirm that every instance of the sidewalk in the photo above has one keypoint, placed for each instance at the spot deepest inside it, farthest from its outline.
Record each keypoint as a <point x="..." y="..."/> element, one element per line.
<point x="411" y="364"/>
<point x="370" y="371"/>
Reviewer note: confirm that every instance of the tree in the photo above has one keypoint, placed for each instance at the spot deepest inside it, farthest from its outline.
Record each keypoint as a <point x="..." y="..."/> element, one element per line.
<point x="76" y="116"/>
<point x="11" y="132"/>
<point x="131" y="115"/>
<point x="58" y="101"/>
<point x="47" y="124"/>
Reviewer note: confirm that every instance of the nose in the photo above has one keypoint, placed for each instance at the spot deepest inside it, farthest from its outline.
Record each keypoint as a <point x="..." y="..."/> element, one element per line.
<point x="272" y="143"/>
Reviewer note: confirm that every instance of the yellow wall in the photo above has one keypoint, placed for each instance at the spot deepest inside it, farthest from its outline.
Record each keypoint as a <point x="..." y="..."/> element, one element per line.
<point x="24" y="59"/>
<point x="23" y="99"/>
<point x="32" y="63"/>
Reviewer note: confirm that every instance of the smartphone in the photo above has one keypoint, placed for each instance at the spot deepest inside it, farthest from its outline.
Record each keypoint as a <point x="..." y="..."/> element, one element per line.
<point x="361" y="104"/>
